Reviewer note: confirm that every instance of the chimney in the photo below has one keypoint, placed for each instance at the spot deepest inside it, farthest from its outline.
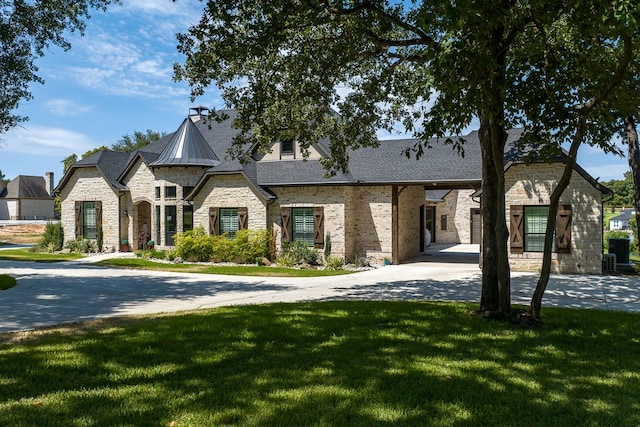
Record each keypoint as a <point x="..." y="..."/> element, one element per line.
<point x="48" y="180"/>
<point x="197" y="113"/>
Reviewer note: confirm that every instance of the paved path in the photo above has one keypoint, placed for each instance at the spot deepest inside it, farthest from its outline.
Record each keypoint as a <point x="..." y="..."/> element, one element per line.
<point x="49" y="294"/>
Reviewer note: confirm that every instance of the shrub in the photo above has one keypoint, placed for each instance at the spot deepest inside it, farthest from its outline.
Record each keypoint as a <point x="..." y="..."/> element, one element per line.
<point x="52" y="238"/>
<point x="247" y="246"/>
<point x="299" y="252"/>
<point x="193" y="245"/>
<point x="333" y="262"/>
<point x="82" y="246"/>
<point x="327" y="245"/>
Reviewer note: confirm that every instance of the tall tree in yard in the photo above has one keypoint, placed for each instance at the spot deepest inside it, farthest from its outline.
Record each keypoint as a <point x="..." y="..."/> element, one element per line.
<point x="577" y="76"/>
<point x="431" y="66"/>
<point x="27" y="29"/>
<point x="630" y="124"/>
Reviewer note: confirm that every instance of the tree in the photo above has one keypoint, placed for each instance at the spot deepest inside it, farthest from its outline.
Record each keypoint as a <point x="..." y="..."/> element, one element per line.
<point x="3" y="178"/>
<point x="431" y="65"/>
<point x="634" y="164"/>
<point x="576" y="75"/>
<point x="68" y="161"/>
<point x="27" y="29"/>
<point x="130" y="143"/>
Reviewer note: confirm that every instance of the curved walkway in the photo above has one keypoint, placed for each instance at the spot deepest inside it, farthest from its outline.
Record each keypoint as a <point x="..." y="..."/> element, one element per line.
<point x="49" y="294"/>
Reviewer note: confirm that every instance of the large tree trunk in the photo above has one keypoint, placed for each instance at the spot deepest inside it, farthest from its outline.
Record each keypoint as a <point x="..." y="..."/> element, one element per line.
<point x="634" y="164"/>
<point x="496" y="289"/>
<point x="563" y="183"/>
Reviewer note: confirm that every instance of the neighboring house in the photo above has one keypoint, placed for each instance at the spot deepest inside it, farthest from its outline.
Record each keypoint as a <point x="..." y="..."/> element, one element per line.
<point x="380" y="209"/>
<point x="621" y="222"/>
<point x="27" y="198"/>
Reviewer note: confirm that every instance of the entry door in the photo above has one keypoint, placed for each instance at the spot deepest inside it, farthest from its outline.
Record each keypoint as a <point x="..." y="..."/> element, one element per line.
<point x="169" y="224"/>
<point x="476" y="225"/>
<point x="429" y="221"/>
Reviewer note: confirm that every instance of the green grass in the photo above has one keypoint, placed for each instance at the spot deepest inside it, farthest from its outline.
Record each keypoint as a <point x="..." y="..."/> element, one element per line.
<point x="235" y="270"/>
<point x="6" y="282"/>
<point x="327" y="364"/>
<point x="26" y="255"/>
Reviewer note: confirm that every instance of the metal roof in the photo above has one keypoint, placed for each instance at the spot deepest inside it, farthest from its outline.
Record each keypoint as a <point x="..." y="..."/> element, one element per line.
<point x="187" y="147"/>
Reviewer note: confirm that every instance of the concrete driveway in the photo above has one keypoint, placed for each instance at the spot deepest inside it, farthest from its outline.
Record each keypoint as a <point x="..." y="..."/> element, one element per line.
<point x="49" y="294"/>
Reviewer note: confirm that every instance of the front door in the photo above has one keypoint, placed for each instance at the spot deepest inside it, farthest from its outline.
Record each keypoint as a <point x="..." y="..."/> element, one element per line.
<point x="476" y="225"/>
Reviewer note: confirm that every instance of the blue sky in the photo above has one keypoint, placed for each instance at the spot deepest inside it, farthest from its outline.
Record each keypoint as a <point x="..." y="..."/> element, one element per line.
<point x="117" y="79"/>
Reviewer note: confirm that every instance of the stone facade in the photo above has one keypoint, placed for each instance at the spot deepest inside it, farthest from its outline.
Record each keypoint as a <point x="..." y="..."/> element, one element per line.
<point x="410" y="198"/>
<point x="457" y="206"/>
<point x="229" y="191"/>
<point x="88" y="184"/>
<point x="532" y="185"/>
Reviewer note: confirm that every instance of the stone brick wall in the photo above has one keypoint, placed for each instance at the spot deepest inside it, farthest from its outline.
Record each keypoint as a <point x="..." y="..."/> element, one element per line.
<point x="409" y="201"/>
<point x="88" y="184"/>
<point x="229" y="191"/>
<point x="456" y="205"/>
<point x="372" y="226"/>
<point x="532" y="185"/>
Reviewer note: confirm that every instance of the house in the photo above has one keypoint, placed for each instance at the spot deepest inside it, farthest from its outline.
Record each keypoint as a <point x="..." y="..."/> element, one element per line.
<point x="621" y="222"/>
<point x="27" y="198"/>
<point x="380" y="209"/>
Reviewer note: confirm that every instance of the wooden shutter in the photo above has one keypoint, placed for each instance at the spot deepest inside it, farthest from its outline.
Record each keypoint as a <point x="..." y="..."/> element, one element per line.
<point x="516" y="230"/>
<point x="98" y="205"/>
<point x="243" y="220"/>
<point x="214" y="221"/>
<point x="563" y="229"/>
<point x="285" y="216"/>
<point x="79" y="220"/>
<point x="318" y="226"/>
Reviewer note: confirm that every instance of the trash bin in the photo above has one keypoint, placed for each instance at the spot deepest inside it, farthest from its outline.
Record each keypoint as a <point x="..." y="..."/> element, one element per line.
<point x="620" y="247"/>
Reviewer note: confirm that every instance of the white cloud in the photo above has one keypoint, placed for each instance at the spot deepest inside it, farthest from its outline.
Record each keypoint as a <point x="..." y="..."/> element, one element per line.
<point x="47" y="141"/>
<point x="66" y="107"/>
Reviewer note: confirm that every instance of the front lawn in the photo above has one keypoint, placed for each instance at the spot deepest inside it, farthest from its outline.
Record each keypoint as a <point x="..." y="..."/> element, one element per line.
<point x="234" y="270"/>
<point x="27" y="255"/>
<point x="327" y="363"/>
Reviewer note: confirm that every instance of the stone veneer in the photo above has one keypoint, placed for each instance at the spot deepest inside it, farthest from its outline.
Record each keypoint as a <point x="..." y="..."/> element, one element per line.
<point x="456" y="205"/>
<point x="229" y="191"/>
<point x="88" y="184"/>
<point x="410" y="198"/>
<point x="532" y="185"/>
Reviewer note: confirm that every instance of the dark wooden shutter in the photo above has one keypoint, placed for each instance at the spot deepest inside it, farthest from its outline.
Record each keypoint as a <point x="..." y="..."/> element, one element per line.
<point x="563" y="229"/>
<point x="516" y="230"/>
<point x="318" y="226"/>
<point x="98" y="205"/>
<point x="243" y="219"/>
<point x="285" y="216"/>
<point x="79" y="220"/>
<point x="214" y="221"/>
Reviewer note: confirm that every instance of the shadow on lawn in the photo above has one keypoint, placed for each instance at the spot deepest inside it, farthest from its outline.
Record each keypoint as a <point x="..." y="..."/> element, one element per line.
<point x="332" y="363"/>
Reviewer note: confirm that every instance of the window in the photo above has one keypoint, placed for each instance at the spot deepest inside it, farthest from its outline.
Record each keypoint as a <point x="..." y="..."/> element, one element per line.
<point x="286" y="146"/>
<point x="170" y="192"/>
<point x="186" y="190"/>
<point x="169" y="224"/>
<point x="528" y="226"/>
<point x="157" y="193"/>
<point x="535" y="227"/>
<point x="443" y="222"/>
<point x="87" y="219"/>
<point x="229" y="221"/>
<point x="187" y="218"/>
<point x="302" y="225"/>
<point x="158" y="231"/>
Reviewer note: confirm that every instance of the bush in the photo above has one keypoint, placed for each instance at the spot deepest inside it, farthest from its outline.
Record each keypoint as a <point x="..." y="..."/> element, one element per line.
<point x="247" y="246"/>
<point x="52" y="238"/>
<point x="82" y="246"/>
<point x="333" y="262"/>
<point x="297" y="253"/>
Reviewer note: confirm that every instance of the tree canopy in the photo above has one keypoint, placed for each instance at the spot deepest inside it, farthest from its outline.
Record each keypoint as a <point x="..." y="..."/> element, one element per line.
<point x="430" y="66"/>
<point x="130" y="143"/>
<point x="27" y="29"/>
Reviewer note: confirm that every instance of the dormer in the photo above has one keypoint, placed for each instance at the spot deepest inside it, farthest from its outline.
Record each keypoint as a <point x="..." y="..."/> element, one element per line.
<point x="289" y="149"/>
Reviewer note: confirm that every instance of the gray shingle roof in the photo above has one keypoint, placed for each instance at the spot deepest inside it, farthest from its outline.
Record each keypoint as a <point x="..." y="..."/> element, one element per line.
<point x="625" y="215"/>
<point x="27" y="187"/>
